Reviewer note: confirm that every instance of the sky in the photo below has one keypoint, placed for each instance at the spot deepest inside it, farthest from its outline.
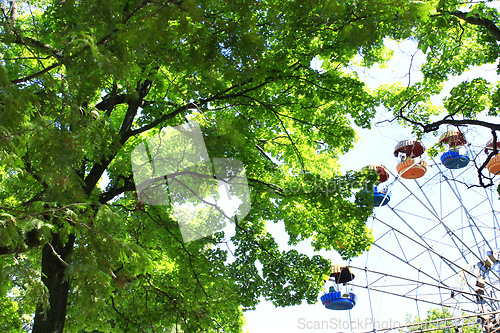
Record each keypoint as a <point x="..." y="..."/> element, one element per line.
<point x="376" y="146"/>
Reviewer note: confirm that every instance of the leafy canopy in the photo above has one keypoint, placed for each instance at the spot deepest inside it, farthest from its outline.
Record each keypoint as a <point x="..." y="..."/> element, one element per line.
<point x="84" y="82"/>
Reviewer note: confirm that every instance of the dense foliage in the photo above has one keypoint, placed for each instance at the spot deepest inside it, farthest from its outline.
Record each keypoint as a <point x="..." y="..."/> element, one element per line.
<point x="84" y="82"/>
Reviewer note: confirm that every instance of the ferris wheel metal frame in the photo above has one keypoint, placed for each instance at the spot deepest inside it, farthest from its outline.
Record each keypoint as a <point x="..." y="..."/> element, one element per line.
<point x="475" y="260"/>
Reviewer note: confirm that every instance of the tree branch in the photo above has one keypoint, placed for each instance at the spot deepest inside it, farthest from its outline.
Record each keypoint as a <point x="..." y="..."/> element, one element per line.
<point x="162" y="119"/>
<point x="142" y="90"/>
<point x="124" y="134"/>
<point x="105" y="197"/>
<point x="493" y="153"/>
<point x="276" y="189"/>
<point x="34" y="75"/>
<point x="34" y="43"/>
<point x="461" y="122"/>
<point x="133" y="12"/>
<point x="477" y="20"/>
<point x="110" y="101"/>
<point x="299" y="156"/>
<point x="264" y="153"/>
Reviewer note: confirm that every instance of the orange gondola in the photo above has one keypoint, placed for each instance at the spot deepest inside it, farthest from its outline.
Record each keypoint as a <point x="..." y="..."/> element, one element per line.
<point x="453" y="138"/>
<point x="493" y="165"/>
<point x="412" y="166"/>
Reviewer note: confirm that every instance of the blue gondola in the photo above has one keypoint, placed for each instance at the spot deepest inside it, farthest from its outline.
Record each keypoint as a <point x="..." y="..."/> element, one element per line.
<point x="335" y="301"/>
<point x="380" y="198"/>
<point x="453" y="160"/>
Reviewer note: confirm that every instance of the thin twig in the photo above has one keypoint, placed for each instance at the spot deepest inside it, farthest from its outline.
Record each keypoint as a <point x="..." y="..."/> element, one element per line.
<point x="57" y="255"/>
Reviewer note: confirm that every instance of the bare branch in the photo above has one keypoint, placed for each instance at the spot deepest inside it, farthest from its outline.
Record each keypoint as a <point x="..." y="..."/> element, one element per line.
<point x="57" y="255"/>
<point x="461" y="122"/>
<point x="490" y="156"/>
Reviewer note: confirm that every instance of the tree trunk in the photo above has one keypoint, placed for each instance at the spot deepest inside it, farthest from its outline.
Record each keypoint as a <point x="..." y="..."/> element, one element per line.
<point x="53" y="276"/>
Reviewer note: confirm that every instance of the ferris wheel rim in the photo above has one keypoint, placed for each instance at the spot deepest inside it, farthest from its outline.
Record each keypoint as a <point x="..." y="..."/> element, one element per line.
<point x="472" y="217"/>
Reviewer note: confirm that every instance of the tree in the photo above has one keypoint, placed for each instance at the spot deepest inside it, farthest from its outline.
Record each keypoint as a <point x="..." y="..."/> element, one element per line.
<point x="83" y="83"/>
<point x="436" y="321"/>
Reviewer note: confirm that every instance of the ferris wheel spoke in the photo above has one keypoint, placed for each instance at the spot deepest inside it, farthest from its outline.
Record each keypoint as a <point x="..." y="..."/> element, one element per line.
<point x="456" y="322"/>
<point x="400" y="247"/>
<point x="383" y="235"/>
<point x="415" y="284"/>
<point x="451" y="264"/>
<point x="413" y="214"/>
<point x="433" y="212"/>
<point x="450" y="213"/>
<point x="388" y="292"/>
<point x="452" y="235"/>
<point x="426" y="246"/>
<point x="495" y="219"/>
<point x="430" y="206"/>
<point x="467" y="212"/>
<point x="407" y="263"/>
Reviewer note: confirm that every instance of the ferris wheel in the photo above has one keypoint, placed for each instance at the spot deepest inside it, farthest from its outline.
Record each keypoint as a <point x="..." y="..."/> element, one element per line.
<point x="437" y="242"/>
